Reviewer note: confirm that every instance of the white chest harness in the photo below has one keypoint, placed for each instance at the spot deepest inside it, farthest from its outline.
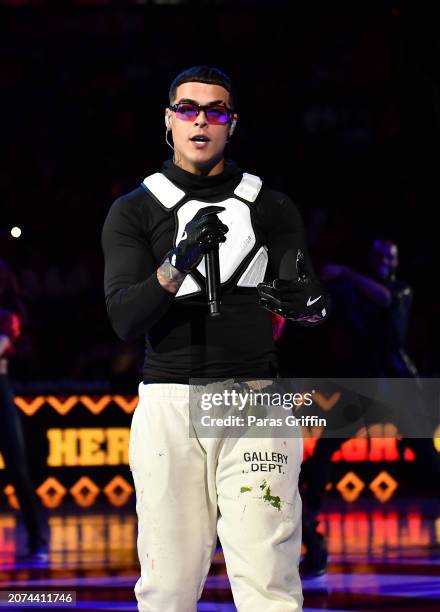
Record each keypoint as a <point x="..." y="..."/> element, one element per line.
<point x="240" y="249"/>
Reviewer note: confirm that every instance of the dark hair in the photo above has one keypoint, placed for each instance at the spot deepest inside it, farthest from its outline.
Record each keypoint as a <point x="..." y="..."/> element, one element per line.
<point x="203" y="74"/>
<point x="11" y="301"/>
<point x="379" y="243"/>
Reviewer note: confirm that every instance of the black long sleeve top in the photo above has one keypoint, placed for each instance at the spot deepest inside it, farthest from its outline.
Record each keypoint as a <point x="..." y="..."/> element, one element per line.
<point x="182" y="340"/>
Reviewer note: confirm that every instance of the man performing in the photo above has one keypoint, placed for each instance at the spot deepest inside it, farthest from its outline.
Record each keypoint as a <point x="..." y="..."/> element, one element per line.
<point x="190" y="488"/>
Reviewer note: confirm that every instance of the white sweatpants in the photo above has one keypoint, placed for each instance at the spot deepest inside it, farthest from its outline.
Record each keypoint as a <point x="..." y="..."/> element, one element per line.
<point x="188" y="489"/>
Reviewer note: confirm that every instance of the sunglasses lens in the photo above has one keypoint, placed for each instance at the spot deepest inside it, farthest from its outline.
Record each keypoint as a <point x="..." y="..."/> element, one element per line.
<point x="187" y="112"/>
<point x="217" y="115"/>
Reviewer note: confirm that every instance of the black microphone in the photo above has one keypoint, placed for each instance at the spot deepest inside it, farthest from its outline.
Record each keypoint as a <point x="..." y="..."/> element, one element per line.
<point x="212" y="268"/>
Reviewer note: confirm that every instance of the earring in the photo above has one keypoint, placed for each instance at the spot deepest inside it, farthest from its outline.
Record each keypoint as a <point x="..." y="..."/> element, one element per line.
<point x="168" y="130"/>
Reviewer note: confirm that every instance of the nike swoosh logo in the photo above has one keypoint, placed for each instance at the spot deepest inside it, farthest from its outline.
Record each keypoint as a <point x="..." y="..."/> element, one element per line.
<point x="310" y="301"/>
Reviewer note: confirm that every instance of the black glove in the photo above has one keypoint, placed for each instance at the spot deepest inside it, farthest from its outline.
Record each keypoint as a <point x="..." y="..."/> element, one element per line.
<point x="203" y="231"/>
<point x="301" y="299"/>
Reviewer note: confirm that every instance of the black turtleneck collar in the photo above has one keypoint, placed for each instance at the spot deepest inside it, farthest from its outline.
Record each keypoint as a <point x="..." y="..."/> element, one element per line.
<point x="231" y="173"/>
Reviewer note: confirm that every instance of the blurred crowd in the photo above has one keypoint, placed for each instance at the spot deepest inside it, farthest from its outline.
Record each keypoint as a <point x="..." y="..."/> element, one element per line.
<point x="339" y="111"/>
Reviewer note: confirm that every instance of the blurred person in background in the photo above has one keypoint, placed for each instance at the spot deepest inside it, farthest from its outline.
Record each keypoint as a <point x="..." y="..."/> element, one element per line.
<point x="12" y="443"/>
<point x="370" y="321"/>
<point x="378" y="309"/>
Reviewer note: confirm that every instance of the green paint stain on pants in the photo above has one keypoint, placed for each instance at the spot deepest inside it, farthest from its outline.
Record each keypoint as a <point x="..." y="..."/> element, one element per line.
<point x="273" y="500"/>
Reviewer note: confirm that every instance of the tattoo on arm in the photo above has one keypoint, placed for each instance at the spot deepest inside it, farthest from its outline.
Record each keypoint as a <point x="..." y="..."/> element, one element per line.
<point x="170" y="277"/>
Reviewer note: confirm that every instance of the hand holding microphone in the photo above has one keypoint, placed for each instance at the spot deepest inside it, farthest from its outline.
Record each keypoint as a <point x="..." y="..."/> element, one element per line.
<point x="203" y="231"/>
<point x="202" y="236"/>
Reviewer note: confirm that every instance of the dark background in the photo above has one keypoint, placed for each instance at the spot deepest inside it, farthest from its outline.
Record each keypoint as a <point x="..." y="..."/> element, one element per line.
<point x="338" y="106"/>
